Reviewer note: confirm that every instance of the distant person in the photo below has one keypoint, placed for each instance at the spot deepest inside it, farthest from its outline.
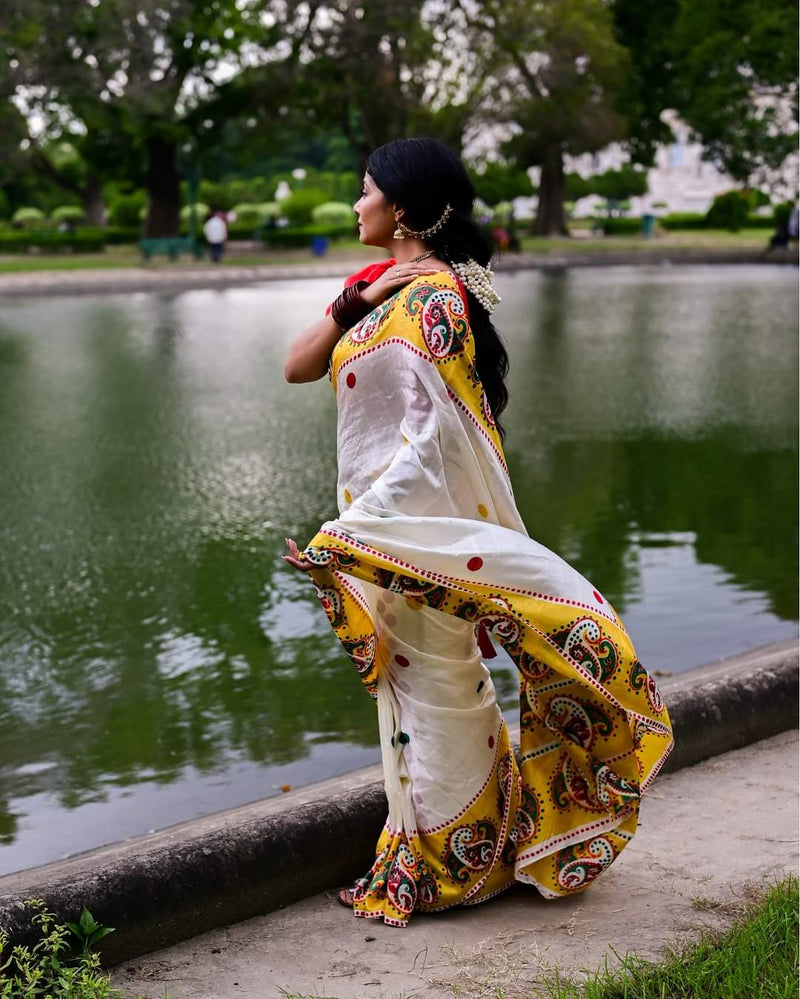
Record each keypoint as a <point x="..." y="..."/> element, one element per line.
<point x="216" y="232"/>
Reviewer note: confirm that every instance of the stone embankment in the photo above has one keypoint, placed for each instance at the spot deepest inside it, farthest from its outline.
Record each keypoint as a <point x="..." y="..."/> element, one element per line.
<point x="229" y="867"/>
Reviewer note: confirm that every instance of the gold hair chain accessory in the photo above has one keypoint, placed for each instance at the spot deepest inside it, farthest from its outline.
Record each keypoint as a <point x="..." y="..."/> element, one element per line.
<point x="402" y="230"/>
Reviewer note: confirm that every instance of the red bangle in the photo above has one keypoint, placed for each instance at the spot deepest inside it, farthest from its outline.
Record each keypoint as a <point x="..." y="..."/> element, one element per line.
<point x="350" y="308"/>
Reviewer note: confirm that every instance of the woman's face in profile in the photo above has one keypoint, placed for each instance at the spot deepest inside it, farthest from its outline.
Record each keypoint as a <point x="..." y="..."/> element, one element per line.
<point x="376" y="221"/>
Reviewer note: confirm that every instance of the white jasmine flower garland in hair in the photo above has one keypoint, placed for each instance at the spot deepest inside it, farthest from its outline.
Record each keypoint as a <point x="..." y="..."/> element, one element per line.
<point x="479" y="281"/>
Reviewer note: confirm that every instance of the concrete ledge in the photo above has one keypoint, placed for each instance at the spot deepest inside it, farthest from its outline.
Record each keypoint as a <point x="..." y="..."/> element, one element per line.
<point x="228" y="867"/>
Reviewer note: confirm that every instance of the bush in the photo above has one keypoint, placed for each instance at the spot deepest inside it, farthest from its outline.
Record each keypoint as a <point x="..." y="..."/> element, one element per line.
<point x="72" y="214"/>
<point x="247" y="214"/>
<point x="335" y="213"/>
<point x="201" y="212"/>
<point x="125" y="209"/>
<point x="301" y="236"/>
<point x="729" y="211"/>
<point x="49" y="240"/>
<point x="620" y="226"/>
<point x="27" y="218"/>
<point x="301" y="204"/>
<point x="683" y="220"/>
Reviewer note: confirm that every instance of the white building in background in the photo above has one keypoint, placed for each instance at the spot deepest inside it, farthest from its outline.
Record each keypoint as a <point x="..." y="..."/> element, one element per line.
<point x="680" y="180"/>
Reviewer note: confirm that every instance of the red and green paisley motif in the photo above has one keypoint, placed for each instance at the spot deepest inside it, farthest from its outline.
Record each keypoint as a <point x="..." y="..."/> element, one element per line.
<point x="603" y="791"/>
<point x="470" y="850"/>
<point x="431" y="594"/>
<point x="578" y="865"/>
<point x="370" y="324"/>
<point x="442" y="315"/>
<point x="577" y="720"/>
<point x="585" y="643"/>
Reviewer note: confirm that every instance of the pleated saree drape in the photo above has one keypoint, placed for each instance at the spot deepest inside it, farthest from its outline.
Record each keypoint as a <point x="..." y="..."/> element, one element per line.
<point x="428" y="553"/>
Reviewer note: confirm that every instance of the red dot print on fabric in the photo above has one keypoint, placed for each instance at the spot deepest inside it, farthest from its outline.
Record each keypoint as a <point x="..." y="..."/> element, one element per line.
<point x="350" y="381"/>
<point x="402" y="661"/>
<point x="475" y="563"/>
<point x="491" y="742"/>
<point x="597" y="596"/>
<point x="391" y="620"/>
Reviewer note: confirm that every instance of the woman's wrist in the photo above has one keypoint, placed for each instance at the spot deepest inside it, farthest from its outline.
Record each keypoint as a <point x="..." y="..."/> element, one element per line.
<point x="350" y="307"/>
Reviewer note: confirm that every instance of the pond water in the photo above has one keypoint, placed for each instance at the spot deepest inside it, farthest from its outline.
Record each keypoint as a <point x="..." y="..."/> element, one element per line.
<point x="159" y="661"/>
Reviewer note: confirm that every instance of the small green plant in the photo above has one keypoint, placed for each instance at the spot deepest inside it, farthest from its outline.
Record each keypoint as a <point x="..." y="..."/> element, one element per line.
<point x="46" y="969"/>
<point x="88" y="931"/>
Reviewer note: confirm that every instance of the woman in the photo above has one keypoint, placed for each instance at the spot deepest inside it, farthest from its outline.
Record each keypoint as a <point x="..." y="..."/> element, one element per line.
<point x="429" y="557"/>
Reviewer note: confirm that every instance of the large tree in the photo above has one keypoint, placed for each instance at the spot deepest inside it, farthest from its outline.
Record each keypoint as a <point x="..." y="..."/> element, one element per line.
<point x="144" y="76"/>
<point x="383" y="70"/>
<point x="736" y="63"/>
<point x="555" y="80"/>
<point x="729" y="67"/>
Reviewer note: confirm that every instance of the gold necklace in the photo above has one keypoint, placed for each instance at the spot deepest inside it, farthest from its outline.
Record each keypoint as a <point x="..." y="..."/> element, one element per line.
<point x="422" y="256"/>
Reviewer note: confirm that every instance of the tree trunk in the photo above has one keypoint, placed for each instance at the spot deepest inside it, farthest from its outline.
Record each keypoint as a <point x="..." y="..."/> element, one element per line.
<point x="550" y="214"/>
<point x="94" y="211"/>
<point x="163" y="189"/>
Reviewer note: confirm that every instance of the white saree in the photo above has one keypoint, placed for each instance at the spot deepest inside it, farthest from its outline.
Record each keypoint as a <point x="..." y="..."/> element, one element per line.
<point x="428" y="550"/>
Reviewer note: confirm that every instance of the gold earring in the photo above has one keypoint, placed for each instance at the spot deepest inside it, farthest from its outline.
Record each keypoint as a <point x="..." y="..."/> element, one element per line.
<point x="399" y="233"/>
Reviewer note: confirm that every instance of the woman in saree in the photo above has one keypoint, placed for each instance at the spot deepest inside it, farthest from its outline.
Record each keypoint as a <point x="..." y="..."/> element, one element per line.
<point x="429" y="561"/>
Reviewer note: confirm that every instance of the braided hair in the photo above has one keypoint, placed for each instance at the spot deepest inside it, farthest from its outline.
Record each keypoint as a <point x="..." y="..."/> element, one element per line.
<point x="423" y="176"/>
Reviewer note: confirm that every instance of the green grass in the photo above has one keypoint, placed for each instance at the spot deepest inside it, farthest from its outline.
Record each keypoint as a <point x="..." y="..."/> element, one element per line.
<point x="756" y="959"/>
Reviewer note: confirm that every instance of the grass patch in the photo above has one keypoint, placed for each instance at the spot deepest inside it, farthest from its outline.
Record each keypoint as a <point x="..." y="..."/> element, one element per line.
<point x="756" y="959"/>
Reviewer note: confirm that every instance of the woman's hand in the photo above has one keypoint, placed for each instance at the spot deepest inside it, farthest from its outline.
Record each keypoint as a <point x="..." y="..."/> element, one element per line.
<point x="294" y="557"/>
<point x="394" y="278"/>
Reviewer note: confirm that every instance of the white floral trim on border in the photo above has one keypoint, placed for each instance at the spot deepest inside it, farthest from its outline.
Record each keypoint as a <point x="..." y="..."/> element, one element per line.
<point x="479" y="281"/>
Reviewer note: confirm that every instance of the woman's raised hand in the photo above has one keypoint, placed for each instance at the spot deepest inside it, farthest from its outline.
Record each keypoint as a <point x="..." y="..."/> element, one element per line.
<point x="394" y="278"/>
<point x="295" y="558"/>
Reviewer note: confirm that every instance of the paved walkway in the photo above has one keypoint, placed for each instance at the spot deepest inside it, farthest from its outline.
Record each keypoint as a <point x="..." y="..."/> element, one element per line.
<point x="709" y="835"/>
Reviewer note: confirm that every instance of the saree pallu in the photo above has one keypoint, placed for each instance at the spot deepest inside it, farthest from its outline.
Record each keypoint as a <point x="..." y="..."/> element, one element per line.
<point x="429" y="556"/>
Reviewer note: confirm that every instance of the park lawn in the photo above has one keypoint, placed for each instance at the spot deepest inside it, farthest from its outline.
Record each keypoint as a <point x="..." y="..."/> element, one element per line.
<point x="128" y="255"/>
<point x="756" y="959"/>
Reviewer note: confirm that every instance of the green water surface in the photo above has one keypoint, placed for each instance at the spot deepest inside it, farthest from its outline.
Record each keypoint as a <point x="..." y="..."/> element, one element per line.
<point x="159" y="661"/>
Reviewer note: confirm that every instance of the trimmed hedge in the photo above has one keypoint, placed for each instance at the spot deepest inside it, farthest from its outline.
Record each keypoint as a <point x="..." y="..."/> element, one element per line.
<point x="78" y="241"/>
<point x="301" y="236"/>
<point x="620" y="226"/>
<point x="677" y="221"/>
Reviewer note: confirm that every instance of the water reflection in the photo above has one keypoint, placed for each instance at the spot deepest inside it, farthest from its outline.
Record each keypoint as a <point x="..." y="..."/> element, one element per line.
<point x="154" y="460"/>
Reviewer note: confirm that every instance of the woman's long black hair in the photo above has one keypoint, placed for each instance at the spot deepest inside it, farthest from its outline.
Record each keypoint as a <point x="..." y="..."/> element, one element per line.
<point x="423" y="176"/>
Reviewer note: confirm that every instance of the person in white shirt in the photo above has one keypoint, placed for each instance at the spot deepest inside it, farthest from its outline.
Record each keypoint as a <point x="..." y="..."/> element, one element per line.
<point x="216" y="233"/>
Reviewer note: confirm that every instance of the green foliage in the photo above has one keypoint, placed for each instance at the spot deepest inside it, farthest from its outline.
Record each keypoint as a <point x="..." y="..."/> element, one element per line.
<point x="4" y="206"/>
<point x="248" y="214"/>
<point x="126" y="209"/>
<point x="299" y="207"/>
<point x="577" y="187"/>
<point x="501" y="182"/>
<point x="729" y="211"/>
<point x="246" y="190"/>
<point x="296" y="237"/>
<point x="44" y="240"/>
<point x="756" y="958"/>
<point x="200" y="212"/>
<point x="67" y="213"/>
<point x="335" y="213"/>
<point x="620" y="226"/>
<point x="27" y="217"/>
<point x="619" y="185"/>
<point x="46" y="969"/>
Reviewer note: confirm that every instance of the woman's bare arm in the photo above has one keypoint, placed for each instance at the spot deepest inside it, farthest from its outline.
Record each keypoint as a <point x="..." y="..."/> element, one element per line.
<point x="310" y="352"/>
